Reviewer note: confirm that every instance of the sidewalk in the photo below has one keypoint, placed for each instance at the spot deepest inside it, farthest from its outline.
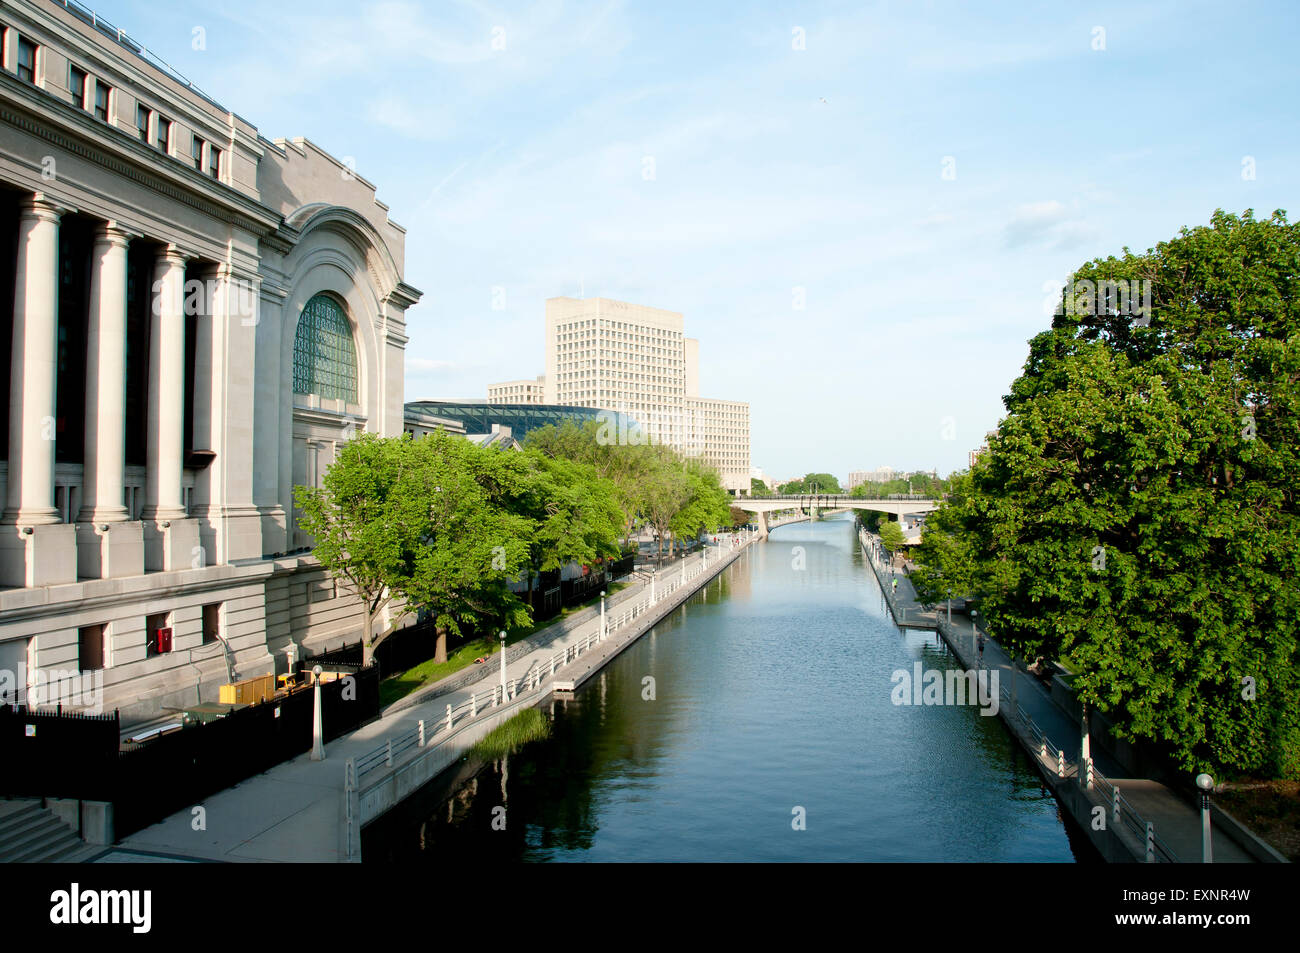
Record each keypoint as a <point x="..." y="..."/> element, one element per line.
<point x="1177" y="822"/>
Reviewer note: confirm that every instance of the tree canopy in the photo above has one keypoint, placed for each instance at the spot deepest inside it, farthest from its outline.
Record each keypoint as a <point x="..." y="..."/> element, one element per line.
<point x="813" y="483"/>
<point x="1135" y="515"/>
<point x="434" y="524"/>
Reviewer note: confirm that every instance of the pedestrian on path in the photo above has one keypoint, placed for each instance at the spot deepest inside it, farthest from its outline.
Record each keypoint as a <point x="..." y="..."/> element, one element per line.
<point x="895" y="586"/>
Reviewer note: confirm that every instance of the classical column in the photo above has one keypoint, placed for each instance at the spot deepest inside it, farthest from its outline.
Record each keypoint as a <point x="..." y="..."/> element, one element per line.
<point x="106" y="379"/>
<point x="36" y="548"/>
<point x="107" y="544"/>
<point x="171" y="541"/>
<point x="166" y="388"/>
<point x="32" y="378"/>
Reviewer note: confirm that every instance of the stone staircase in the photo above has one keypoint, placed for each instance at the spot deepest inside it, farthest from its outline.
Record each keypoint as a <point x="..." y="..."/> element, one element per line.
<point x="30" y="833"/>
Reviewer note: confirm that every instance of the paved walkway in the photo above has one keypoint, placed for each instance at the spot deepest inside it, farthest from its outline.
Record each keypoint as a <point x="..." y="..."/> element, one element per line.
<point x="1176" y="822"/>
<point x="296" y="809"/>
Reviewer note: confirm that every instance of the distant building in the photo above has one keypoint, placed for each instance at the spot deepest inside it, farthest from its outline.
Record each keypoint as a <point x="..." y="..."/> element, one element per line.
<point x="635" y="360"/>
<point x="518" y="392"/>
<point x="879" y="475"/>
<point x="974" y="455"/>
<point x="479" y="417"/>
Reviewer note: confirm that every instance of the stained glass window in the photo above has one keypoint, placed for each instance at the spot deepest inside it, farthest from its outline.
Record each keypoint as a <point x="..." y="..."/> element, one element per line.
<point x="324" y="355"/>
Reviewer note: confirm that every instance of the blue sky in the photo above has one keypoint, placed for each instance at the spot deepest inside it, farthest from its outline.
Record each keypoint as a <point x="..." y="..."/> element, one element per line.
<point x="523" y="168"/>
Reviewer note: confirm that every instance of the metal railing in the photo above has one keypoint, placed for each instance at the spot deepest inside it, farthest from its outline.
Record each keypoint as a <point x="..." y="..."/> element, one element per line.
<point x="1049" y="752"/>
<point x="531" y="682"/>
<point x="1123" y="812"/>
<point x="87" y="15"/>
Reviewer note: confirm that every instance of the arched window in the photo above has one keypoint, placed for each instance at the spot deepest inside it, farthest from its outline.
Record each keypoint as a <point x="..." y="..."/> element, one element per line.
<point x="324" y="355"/>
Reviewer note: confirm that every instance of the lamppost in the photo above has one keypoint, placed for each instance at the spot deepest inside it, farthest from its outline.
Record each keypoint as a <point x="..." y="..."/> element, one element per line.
<point x="602" y="615"/>
<point x="1206" y="784"/>
<point x="317" y="723"/>
<point x="504" y="697"/>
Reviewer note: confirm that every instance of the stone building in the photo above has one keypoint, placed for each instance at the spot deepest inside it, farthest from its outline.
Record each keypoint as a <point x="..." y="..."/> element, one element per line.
<point x="193" y="317"/>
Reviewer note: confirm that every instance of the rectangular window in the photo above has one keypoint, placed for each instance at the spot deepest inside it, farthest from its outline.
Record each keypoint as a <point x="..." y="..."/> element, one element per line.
<point x="101" y="101"/>
<point x="163" y="135"/>
<point x="196" y="150"/>
<point x="26" y="60"/>
<point x="77" y="86"/>
<point x="142" y="122"/>
<point x="90" y="647"/>
<point x="214" y="162"/>
<point x="211" y="622"/>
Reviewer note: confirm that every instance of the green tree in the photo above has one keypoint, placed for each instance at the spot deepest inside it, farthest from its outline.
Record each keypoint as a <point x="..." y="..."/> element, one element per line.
<point x="891" y="535"/>
<point x="1136" y="513"/>
<point x="945" y="564"/>
<point x="420" y="524"/>
<point x="667" y="491"/>
<point x="574" y="514"/>
<point x="706" y="507"/>
<point x="821" y="483"/>
<point x="627" y="466"/>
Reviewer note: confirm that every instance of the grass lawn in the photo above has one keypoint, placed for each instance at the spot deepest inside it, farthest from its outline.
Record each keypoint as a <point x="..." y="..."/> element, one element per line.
<point x="401" y="684"/>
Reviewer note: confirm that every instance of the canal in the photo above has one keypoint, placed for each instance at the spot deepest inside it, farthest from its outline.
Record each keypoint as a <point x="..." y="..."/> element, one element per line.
<point x="770" y="704"/>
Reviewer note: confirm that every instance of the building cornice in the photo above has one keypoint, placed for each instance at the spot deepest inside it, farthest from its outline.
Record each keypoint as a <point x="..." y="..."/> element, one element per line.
<point x="75" y="131"/>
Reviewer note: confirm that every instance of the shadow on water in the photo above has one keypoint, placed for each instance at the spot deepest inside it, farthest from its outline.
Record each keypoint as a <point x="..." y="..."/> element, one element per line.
<point x="764" y="700"/>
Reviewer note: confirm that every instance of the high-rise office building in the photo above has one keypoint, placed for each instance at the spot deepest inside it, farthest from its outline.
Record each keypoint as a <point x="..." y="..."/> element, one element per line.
<point x="637" y="360"/>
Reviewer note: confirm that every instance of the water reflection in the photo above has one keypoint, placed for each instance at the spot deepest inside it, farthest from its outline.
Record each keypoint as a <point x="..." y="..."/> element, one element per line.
<point x="771" y="694"/>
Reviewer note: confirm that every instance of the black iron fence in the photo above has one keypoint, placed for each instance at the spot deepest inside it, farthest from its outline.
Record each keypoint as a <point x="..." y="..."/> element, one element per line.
<point x="48" y="754"/>
<point x="46" y="749"/>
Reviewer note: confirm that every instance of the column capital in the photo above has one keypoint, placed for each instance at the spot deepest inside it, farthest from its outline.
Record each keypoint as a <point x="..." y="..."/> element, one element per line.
<point x="41" y="205"/>
<point x="115" y="233"/>
<point x="174" y="255"/>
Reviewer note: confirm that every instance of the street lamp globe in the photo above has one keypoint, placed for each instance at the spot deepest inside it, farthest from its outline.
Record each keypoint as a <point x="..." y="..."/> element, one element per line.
<point x="1205" y="782"/>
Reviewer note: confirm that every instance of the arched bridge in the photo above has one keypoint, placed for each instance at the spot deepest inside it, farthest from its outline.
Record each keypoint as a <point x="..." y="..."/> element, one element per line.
<point x="896" y="507"/>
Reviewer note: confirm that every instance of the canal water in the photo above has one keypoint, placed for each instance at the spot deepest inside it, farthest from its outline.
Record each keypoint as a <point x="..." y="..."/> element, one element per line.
<point x="771" y="711"/>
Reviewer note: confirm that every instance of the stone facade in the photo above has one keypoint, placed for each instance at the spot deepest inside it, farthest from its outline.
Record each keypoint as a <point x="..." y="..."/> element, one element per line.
<point x="193" y="317"/>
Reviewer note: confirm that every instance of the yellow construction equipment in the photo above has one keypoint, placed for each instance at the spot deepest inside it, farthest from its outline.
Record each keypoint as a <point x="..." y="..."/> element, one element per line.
<point x="250" y="691"/>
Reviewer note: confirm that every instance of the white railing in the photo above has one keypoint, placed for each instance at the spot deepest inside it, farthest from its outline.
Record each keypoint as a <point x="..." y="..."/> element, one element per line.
<point x="426" y="730"/>
<point x="1122" y="812"/>
<point x="1048" y="751"/>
